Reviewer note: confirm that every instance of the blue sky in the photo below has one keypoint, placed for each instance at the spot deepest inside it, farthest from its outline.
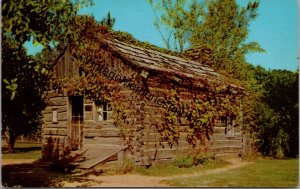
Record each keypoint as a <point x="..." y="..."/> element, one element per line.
<point x="276" y="28"/>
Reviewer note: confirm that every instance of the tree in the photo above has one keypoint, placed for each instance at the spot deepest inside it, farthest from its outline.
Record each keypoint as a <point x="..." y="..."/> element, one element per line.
<point x="24" y="77"/>
<point x="108" y="21"/>
<point x="175" y="21"/>
<point x="220" y="26"/>
<point x="23" y="84"/>
<point x="279" y="121"/>
<point x="225" y="30"/>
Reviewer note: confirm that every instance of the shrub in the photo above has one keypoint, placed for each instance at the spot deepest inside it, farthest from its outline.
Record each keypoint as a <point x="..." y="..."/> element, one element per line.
<point x="127" y="166"/>
<point x="184" y="162"/>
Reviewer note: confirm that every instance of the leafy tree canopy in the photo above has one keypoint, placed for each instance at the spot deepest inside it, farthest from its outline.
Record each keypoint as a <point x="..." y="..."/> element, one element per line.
<point x="24" y="78"/>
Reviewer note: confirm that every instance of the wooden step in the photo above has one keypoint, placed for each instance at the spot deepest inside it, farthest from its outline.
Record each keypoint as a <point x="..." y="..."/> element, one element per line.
<point x="97" y="154"/>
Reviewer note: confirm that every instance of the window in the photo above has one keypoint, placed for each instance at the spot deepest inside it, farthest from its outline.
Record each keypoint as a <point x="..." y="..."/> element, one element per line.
<point x="103" y="112"/>
<point x="229" y="125"/>
<point x="54" y="116"/>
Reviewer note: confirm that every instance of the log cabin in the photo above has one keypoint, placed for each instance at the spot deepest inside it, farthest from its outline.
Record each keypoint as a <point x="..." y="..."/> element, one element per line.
<point x="79" y="123"/>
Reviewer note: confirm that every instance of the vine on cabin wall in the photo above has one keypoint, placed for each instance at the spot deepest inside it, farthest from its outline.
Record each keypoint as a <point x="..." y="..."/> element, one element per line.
<point x="168" y="129"/>
<point x="202" y="113"/>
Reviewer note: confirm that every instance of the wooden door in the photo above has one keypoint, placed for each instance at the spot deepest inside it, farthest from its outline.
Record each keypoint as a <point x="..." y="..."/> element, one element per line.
<point x="76" y="123"/>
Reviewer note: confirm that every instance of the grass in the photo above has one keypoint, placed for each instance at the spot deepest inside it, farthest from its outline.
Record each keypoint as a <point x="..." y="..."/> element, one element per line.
<point x="23" y="151"/>
<point x="170" y="170"/>
<point x="262" y="173"/>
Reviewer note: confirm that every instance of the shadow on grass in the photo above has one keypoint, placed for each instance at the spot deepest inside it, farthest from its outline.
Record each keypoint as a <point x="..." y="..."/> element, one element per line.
<point x="21" y="149"/>
<point x="37" y="174"/>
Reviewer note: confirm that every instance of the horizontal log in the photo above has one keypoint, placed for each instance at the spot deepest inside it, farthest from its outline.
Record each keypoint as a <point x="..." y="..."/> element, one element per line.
<point x="52" y="94"/>
<point x="88" y="116"/>
<point x="102" y="132"/>
<point x="227" y="149"/>
<point x="226" y="142"/>
<point x="61" y="116"/>
<point x="221" y="136"/>
<point x="61" y="124"/>
<point x="218" y="129"/>
<point x="163" y="161"/>
<point x="50" y="109"/>
<point x="55" y="131"/>
<point x="48" y="139"/>
<point x="61" y="146"/>
<point x="59" y="101"/>
<point x="164" y="153"/>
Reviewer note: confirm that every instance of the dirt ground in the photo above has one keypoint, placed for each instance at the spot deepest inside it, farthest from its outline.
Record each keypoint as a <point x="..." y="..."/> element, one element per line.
<point x="31" y="173"/>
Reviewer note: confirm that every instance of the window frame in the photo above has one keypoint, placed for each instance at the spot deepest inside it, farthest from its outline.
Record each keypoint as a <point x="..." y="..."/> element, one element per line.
<point x="106" y="111"/>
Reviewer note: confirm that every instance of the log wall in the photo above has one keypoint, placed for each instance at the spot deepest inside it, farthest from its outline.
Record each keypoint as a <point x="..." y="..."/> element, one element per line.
<point x="146" y="146"/>
<point x="55" y="140"/>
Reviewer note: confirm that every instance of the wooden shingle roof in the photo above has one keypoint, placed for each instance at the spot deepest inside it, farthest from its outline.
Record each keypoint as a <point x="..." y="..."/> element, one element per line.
<point x="157" y="61"/>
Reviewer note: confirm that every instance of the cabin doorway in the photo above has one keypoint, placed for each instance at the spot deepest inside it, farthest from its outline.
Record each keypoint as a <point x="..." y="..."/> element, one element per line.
<point x="76" y="127"/>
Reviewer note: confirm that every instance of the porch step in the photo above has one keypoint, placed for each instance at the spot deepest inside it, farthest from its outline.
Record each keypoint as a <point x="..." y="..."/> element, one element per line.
<point x="97" y="154"/>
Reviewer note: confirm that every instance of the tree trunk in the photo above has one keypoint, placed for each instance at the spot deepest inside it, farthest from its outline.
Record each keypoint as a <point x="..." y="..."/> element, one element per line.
<point x="11" y="143"/>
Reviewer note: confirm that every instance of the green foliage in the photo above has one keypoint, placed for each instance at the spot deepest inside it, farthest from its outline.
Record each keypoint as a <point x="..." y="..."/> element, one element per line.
<point x="127" y="166"/>
<point x="278" y="112"/>
<point x="201" y="114"/>
<point x="175" y="21"/>
<point x="23" y="82"/>
<point x="192" y="160"/>
<point x="185" y="162"/>
<point x="24" y="77"/>
<point x="44" y="21"/>
<point x="225" y="29"/>
<point x="108" y="21"/>
<point x="168" y="130"/>
<point x="170" y="169"/>
<point x="23" y="151"/>
<point x="262" y="173"/>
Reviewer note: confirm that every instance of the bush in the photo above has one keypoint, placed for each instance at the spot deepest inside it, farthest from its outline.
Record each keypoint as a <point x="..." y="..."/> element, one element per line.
<point x="127" y="166"/>
<point x="184" y="162"/>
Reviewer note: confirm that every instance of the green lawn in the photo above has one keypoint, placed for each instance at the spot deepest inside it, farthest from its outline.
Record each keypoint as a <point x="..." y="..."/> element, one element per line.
<point x="169" y="170"/>
<point x="23" y="151"/>
<point x="262" y="173"/>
